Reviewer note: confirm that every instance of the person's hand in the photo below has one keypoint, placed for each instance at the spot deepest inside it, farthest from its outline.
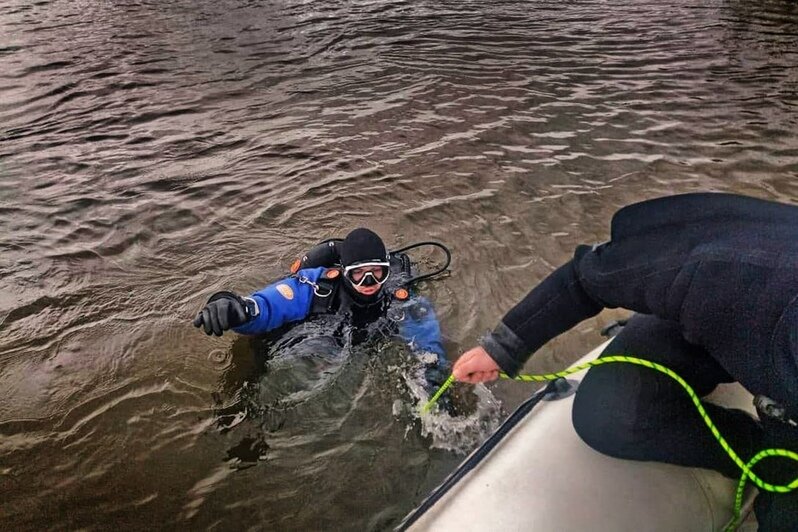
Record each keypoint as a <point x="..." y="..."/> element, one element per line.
<point x="223" y="311"/>
<point x="475" y="365"/>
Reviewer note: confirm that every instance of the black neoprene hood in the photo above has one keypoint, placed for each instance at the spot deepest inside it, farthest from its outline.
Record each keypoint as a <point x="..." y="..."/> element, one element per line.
<point x="362" y="245"/>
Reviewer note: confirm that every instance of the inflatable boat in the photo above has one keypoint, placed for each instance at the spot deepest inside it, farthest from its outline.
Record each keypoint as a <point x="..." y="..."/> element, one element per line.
<point x="534" y="473"/>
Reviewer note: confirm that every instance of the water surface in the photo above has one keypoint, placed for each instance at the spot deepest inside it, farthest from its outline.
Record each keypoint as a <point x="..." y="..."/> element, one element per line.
<point x="152" y="153"/>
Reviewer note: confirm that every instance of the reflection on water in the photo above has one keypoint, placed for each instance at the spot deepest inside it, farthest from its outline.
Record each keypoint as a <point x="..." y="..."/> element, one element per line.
<point x="152" y="153"/>
<point x="319" y="394"/>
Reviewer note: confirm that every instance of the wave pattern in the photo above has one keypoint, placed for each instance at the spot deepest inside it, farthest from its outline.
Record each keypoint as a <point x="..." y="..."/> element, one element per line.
<point x="154" y="152"/>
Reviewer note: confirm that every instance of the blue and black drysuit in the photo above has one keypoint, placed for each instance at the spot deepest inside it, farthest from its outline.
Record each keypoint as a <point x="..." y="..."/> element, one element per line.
<point x="309" y="291"/>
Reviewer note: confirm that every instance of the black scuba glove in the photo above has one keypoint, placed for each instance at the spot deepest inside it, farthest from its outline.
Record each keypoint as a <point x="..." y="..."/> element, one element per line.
<point x="435" y="376"/>
<point x="223" y="311"/>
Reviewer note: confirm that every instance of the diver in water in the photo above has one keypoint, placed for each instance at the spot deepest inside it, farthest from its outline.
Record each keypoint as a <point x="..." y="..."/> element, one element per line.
<point x="348" y="276"/>
<point x="713" y="279"/>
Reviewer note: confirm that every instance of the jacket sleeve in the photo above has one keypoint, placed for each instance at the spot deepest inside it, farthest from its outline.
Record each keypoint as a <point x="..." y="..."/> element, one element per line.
<point x="725" y="296"/>
<point x="555" y="305"/>
<point x="644" y="269"/>
<point x="282" y="302"/>
<point x="421" y="330"/>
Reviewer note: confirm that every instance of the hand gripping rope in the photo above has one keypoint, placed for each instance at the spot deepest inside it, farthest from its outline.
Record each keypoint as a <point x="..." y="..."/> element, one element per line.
<point x="747" y="473"/>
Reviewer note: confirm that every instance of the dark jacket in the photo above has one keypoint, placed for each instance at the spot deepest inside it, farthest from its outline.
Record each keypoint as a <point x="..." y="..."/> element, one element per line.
<point x="723" y="267"/>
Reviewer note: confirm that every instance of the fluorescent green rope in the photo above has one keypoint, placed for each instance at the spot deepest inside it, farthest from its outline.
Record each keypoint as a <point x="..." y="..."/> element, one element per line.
<point x="747" y="473"/>
<point x="445" y="386"/>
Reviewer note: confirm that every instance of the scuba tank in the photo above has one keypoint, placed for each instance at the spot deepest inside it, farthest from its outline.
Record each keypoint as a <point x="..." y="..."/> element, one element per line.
<point x="326" y="253"/>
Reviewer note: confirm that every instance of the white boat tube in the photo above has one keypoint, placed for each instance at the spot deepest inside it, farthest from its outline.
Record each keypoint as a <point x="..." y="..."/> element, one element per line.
<point x="536" y="474"/>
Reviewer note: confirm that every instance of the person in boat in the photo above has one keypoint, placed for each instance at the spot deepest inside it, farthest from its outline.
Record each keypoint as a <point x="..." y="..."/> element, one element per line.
<point x="713" y="280"/>
<point x="346" y="276"/>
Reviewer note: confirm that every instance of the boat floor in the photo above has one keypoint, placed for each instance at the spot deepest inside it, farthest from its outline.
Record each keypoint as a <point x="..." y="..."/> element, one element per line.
<point x="541" y="476"/>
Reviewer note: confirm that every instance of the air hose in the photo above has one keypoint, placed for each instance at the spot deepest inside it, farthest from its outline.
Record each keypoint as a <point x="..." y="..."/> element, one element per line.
<point x="439" y="271"/>
<point x="746" y="468"/>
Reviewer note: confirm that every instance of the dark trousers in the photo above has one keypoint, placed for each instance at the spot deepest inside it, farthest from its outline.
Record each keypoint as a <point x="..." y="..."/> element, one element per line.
<point x="637" y="413"/>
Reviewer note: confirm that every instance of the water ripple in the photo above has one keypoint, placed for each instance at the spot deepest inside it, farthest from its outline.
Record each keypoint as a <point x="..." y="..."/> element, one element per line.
<point x="152" y="153"/>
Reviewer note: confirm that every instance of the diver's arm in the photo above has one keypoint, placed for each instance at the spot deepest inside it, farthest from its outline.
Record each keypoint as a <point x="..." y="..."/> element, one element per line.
<point x="279" y="303"/>
<point x="421" y="330"/>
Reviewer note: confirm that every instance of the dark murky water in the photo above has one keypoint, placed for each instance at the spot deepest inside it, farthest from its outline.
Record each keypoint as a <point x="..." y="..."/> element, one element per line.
<point x="154" y="152"/>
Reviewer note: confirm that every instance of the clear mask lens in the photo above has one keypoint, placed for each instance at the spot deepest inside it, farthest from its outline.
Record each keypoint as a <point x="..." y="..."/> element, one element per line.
<point x="368" y="274"/>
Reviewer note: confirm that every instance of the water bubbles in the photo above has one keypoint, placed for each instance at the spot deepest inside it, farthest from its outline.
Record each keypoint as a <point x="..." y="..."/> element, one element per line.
<point x="220" y="358"/>
<point x="397" y="408"/>
<point x="461" y="420"/>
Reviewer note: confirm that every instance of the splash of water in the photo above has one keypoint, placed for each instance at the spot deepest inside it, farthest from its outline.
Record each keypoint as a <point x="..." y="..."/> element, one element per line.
<point x="475" y="412"/>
